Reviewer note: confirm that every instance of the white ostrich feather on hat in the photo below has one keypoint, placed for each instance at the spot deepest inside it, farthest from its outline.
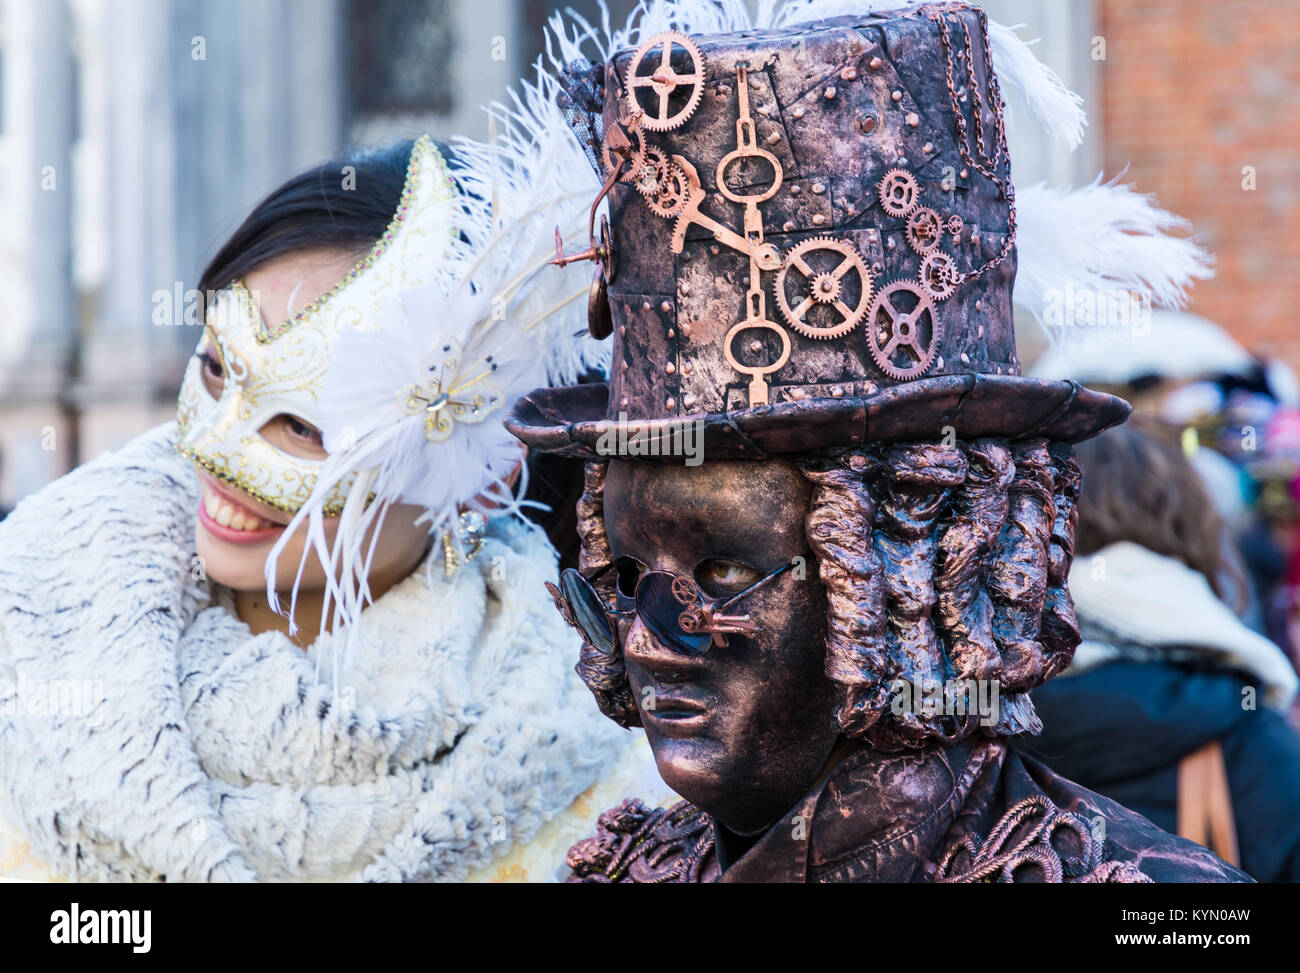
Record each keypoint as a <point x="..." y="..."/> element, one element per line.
<point x="415" y="394"/>
<point x="1102" y="237"/>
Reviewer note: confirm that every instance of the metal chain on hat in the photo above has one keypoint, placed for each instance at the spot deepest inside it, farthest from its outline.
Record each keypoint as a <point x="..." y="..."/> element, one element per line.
<point x="985" y="165"/>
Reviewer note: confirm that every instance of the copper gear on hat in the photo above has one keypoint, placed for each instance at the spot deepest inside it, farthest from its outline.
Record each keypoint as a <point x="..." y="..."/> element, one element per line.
<point x="652" y="177"/>
<point x="939" y="276"/>
<point x="903" y="332"/>
<point x="630" y="165"/>
<point x="824" y="288"/>
<point x="671" y="198"/>
<point x="898" y="192"/>
<point x="661" y="119"/>
<point x="924" y="230"/>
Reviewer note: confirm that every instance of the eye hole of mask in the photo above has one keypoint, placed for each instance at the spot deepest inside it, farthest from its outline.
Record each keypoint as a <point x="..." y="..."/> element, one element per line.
<point x="628" y="571"/>
<point x="294" y="436"/>
<point x="212" y="371"/>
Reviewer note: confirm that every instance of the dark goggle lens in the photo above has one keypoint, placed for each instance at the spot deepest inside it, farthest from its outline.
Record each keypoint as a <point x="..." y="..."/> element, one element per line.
<point x="661" y="611"/>
<point x="587" y="610"/>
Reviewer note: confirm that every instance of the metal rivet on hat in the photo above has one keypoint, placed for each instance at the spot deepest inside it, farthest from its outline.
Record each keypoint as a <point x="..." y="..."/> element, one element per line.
<point x="874" y="64"/>
<point x="670" y="368"/>
<point x="849" y="74"/>
<point x="897" y="95"/>
<point x="665" y="307"/>
<point x="798" y="112"/>
<point x="671" y="403"/>
<point x="913" y="119"/>
<point x="829" y="92"/>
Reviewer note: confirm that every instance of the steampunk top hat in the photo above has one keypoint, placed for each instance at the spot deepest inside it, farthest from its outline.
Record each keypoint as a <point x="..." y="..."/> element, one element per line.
<point x="811" y="240"/>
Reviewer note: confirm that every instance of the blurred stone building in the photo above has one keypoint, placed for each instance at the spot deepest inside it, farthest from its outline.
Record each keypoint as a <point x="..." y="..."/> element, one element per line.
<point x="136" y="134"/>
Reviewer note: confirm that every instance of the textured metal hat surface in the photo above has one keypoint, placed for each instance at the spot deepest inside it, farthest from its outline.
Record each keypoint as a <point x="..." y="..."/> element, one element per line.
<point x="813" y="243"/>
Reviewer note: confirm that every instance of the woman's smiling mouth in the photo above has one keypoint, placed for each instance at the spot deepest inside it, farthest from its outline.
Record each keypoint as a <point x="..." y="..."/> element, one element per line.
<point x="223" y="515"/>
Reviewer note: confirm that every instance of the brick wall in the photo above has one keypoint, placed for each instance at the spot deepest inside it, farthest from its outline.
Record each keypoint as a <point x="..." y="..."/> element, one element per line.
<point x="1192" y="92"/>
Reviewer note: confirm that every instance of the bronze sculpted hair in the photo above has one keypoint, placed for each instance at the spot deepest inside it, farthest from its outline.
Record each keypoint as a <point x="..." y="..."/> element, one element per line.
<point x="940" y="562"/>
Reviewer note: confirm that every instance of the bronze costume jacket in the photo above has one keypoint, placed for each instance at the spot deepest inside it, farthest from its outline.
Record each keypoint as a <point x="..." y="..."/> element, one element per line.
<point x="977" y="811"/>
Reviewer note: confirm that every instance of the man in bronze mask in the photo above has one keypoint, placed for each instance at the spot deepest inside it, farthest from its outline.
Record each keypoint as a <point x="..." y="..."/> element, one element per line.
<point x="829" y="627"/>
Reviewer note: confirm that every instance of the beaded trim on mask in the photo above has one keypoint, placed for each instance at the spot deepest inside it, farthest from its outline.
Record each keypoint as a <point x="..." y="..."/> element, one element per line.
<point x="331" y="509"/>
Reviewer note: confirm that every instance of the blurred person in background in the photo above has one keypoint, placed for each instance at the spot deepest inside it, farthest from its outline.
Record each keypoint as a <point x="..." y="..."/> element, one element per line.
<point x="1235" y="416"/>
<point x="231" y="712"/>
<point x="1172" y="706"/>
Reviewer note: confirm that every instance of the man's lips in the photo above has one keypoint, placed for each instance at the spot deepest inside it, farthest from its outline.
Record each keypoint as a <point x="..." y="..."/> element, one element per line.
<point x="229" y="518"/>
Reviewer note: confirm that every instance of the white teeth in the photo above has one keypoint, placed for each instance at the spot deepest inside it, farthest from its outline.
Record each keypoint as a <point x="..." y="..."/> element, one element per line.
<point x="227" y="515"/>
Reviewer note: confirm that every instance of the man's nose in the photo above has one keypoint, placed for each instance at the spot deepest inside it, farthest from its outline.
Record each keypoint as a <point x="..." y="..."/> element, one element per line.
<point x="665" y="661"/>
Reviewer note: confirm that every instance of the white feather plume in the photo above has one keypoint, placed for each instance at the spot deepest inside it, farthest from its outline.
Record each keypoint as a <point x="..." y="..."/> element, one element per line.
<point x="1102" y="238"/>
<point x="1058" y="109"/>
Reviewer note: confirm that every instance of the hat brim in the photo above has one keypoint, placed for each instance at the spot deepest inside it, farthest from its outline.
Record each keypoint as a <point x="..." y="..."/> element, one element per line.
<point x="572" y="421"/>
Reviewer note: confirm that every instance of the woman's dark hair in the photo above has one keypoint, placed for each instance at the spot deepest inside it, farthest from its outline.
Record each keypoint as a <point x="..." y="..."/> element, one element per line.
<point x="1139" y="486"/>
<point x="346" y="204"/>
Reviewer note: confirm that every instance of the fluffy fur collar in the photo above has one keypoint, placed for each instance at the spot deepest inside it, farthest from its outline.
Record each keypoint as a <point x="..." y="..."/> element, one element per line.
<point x="198" y="751"/>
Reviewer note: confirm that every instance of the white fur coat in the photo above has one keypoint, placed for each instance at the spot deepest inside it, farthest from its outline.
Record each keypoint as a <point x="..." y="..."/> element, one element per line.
<point x="146" y="733"/>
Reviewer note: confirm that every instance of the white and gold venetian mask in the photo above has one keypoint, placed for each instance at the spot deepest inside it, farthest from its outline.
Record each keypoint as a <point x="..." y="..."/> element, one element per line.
<point x="274" y="370"/>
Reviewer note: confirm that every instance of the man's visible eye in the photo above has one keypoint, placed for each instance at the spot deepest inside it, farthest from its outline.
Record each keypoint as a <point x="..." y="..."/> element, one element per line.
<point x="719" y="576"/>
<point x="214" y="375"/>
